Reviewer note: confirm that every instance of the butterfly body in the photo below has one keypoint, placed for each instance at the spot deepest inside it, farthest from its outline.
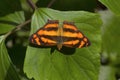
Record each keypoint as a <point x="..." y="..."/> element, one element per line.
<point x="55" y="34"/>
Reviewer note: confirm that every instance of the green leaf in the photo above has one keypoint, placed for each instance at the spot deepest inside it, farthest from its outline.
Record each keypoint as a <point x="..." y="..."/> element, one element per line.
<point x="113" y="5"/>
<point x="107" y="73"/>
<point x="69" y="64"/>
<point x="7" y="70"/>
<point x="8" y="22"/>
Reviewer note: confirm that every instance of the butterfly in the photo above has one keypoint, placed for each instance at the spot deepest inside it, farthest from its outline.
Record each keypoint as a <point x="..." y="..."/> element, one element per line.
<point x="58" y="34"/>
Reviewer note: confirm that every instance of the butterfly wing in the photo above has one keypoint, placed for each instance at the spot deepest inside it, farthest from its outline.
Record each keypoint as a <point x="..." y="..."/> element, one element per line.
<point x="46" y="36"/>
<point x="72" y="37"/>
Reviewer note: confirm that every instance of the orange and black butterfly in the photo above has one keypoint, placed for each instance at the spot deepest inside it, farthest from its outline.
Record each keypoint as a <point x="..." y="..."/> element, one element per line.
<point x="55" y="34"/>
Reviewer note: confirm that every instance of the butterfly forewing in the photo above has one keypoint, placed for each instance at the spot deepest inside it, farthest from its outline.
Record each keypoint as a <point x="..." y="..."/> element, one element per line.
<point x="47" y="35"/>
<point x="72" y="37"/>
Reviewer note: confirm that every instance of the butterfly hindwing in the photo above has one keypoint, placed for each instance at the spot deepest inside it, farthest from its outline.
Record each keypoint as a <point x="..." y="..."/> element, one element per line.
<point x="47" y="35"/>
<point x="72" y="37"/>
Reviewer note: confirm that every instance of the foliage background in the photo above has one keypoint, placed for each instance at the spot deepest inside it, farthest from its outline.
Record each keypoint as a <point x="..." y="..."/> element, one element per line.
<point x="12" y="13"/>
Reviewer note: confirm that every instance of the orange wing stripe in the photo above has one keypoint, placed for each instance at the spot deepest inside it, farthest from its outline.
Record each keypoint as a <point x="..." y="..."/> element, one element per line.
<point x="85" y="39"/>
<point x="50" y="33"/>
<point x="70" y="27"/>
<point x="46" y="40"/>
<point x="37" y="41"/>
<point x="81" y="44"/>
<point x="73" y="42"/>
<point x="80" y="35"/>
<point x="70" y="34"/>
<point x="51" y="25"/>
<point x="34" y="36"/>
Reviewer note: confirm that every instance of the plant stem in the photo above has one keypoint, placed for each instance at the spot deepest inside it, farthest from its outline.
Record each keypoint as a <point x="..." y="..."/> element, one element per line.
<point x="17" y="28"/>
<point x="51" y="2"/>
<point x="32" y="5"/>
